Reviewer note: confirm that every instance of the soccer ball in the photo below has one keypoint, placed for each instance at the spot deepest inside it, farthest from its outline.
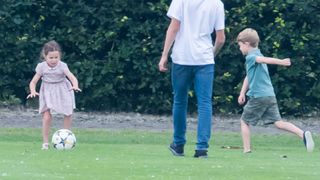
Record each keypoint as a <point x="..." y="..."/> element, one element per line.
<point x="63" y="139"/>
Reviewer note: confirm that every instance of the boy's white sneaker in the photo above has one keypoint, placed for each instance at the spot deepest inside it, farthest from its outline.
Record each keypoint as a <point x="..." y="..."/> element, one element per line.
<point x="308" y="141"/>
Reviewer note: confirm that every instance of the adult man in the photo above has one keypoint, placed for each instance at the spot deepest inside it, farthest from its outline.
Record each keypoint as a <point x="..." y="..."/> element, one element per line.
<point x="190" y="29"/>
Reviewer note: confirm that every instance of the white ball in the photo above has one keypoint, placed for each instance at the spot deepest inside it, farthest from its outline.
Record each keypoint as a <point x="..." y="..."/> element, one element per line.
<point x="63" y="139"/>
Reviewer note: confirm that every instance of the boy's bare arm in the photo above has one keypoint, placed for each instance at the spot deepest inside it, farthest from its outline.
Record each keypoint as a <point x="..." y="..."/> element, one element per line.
<point x="269" y="60"/>
<point x="244" y="89"/>
<point x="245" y="86"/>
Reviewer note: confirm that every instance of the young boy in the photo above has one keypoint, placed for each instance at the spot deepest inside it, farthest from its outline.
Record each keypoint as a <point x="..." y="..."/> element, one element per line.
<point x="262" y="103"/>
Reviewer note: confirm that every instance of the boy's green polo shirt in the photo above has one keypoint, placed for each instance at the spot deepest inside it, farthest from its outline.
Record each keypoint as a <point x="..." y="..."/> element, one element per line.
<point x="258" y="76"/>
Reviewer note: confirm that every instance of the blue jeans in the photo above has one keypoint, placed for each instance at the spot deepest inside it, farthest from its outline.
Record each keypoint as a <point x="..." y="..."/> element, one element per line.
<point x="202" y="78"/>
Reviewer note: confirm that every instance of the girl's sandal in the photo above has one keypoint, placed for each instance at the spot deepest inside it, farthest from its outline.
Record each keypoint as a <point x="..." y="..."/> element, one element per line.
<point x="45" y="146"/>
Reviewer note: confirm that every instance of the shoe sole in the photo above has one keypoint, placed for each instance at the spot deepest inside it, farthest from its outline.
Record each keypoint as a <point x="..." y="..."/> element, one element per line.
<point x="174" y="152"/>
<point x="201" y="157"/>
<point x="200" y="154"/>
<point x="309" y="141"/>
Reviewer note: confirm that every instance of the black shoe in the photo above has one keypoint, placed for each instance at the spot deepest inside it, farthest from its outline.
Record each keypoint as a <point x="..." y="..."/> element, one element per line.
<point x="176" y="150"/>
<point x="200" y="154"/>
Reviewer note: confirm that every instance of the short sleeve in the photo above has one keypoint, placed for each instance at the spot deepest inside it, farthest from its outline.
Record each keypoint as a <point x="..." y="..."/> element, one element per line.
<point x="65" y="68"/>
<point x="175" y="10"/>
<point x="220" y="18"/>
<point x="39" y="69"/>
<point x="251" y="60"/>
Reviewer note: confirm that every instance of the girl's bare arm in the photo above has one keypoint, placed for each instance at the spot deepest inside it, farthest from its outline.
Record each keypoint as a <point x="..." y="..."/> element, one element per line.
<point x="74" y="81"/>
<point x="32" y="86"/>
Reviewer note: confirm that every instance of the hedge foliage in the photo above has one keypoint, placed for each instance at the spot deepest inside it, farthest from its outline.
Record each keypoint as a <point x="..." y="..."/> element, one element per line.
<point x="113" y="47"/>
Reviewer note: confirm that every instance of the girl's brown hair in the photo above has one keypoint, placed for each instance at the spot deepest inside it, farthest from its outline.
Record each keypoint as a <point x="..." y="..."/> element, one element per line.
<point x="49" y="47"/>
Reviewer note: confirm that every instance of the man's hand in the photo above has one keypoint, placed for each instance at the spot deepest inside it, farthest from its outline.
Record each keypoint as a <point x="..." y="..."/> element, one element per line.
<point x="163" y="64"/>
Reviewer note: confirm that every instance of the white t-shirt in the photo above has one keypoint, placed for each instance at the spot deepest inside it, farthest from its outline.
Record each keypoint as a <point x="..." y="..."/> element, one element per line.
<point x="198" y="19"/>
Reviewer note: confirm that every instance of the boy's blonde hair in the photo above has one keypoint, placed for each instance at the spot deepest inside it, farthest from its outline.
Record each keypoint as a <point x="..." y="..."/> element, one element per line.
<point x="249" y="35"/>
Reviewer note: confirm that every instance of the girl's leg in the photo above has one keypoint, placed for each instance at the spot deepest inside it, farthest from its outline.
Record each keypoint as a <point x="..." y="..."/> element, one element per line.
<point x="46" y="124"/>
<point x="245" y="132"/>
<point x="287" y="126"/>
<point x="67" y="122"/>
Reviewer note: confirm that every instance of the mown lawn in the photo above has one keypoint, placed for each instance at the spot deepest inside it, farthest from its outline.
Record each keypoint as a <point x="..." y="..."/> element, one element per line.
<point x="101" y="154"/>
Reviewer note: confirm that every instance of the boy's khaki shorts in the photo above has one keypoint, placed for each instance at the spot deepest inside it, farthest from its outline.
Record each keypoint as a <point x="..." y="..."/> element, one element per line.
<point x="264" y="109"/>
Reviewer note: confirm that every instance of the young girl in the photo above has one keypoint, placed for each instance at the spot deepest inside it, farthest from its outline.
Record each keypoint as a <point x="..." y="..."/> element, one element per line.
<point x="56" y="92"/>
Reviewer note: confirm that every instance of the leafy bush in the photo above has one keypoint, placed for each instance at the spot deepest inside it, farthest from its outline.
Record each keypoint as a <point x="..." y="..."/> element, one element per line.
<point x="287" y="29"/>
<point x="113" y="47"/>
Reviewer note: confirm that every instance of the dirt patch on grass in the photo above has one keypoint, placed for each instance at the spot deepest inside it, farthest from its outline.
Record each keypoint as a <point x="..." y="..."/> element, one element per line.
<point x="29" y="118"/>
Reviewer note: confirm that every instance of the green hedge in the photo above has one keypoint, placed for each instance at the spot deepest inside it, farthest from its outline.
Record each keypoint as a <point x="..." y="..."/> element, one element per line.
<point x="113" y="47"/>
<point x="287" y="28"/>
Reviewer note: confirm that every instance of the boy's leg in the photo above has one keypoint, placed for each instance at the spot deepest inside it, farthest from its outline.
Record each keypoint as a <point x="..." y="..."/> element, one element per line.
<point x="306" y="136"/>
<point x="252" y="113"/>
<point x="273" y="116"/>
<point x="67" y="122"/>
<point x="203" y="84"/>
<point x="46" y="124"/>
<point x="287" y="126"/>
<point x="245" y="133"/>
<point x="181" y="80"/>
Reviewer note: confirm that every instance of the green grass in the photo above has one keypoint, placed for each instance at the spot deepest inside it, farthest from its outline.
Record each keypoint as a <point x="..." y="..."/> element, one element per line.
<point x="101" y="154"/>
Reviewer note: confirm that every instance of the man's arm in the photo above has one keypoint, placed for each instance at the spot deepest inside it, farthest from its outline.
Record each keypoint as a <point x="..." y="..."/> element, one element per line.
<point x="170" y="37"/>
<point x="269" y="60"/>
<point x="219" y="42"/>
